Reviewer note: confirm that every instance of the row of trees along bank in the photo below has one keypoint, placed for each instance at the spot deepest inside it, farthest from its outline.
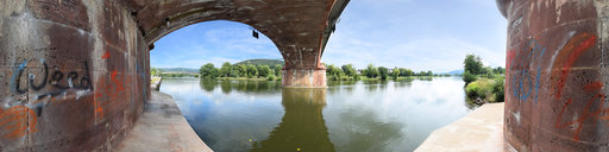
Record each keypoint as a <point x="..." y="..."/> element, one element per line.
<point x="241" y="71"/>
<point x="333" y="73"/>
<point x="349" y="73"/>
<point x="483" y="84"/>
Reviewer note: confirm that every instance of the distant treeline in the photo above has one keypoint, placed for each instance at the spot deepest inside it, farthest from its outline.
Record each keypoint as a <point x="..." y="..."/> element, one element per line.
<point x="270" y="72"/>
<point x="334" y="73"/>
<point x="348" y="72"/>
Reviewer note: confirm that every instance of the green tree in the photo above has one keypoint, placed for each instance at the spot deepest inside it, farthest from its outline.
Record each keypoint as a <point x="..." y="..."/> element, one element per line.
<point x="330" y="70"/>
<point x="234" y="73"/>
<point x="468" y="77"/>
<point x="264" y="70"/>
<point x="349" y="70"/>
<point x="426" y="73"/>
<point x="226" y="69"/>
<point x="208" y="71"/>
<point x="154" y="71"/>
<point x="395" y="73"/>
<point x="242" y="68"/>
<point x="383" y="72"/>
<point x="252" y="71"/>
<point x="499" y="70"/>
<point x="371" y="71"/>
<point x="406" y="72"/>
<point x="277" y="68"/>
<point x="473" y="64"/>
<point x="486" y="70"/>
<point x="333" y="72"/>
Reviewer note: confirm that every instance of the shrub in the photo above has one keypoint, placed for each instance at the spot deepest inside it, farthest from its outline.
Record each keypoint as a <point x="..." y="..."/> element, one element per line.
<point x="468" y="77"/>
<point x="271" y="78"/>
<point x="498" y="89"/>
<point x="480" y="89"/>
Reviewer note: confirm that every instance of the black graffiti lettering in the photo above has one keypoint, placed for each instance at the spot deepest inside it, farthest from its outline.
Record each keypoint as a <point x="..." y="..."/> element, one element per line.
<point x="85" y="82"/>
<point x="18" y="82"/>
<point x="72" y="77"/>
<point x="44" y="80"/>
<point x="56" y="78"/>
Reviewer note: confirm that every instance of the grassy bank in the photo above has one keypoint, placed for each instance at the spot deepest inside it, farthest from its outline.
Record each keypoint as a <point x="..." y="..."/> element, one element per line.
<point x="485" y="90"/>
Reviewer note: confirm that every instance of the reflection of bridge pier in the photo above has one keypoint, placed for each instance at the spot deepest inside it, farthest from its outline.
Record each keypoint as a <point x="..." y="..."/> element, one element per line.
<point x="302" y="126"/>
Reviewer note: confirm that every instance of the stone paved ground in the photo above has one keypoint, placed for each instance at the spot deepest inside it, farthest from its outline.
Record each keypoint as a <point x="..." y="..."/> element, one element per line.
<point x="479" y="131"/>
<point x="162" y="128"/>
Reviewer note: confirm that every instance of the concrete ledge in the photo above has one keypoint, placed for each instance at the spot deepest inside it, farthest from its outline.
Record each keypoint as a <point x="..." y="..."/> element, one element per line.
<point x="161" y="127"/>
<point x="481" y="130"/>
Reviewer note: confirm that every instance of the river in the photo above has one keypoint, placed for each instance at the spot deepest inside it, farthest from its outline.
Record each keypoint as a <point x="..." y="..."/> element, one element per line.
<point x="345" y="117"/>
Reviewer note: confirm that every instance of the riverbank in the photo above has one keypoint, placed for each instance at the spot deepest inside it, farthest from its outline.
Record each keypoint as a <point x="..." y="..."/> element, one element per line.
<point x="162" y="127"/>
<point x="481" y="130"/>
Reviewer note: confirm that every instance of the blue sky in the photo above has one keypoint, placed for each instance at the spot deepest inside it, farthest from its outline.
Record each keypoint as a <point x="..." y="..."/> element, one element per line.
<point x="417" y="34"/>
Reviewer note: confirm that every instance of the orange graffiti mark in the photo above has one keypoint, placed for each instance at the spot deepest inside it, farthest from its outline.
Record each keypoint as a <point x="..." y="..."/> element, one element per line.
<point x="117" y="82"/>
<point x="586" y="114"/>
<point x="15" y="122"/>
<point x="567" y="57"/>
<point x="106" y="55"/>
<point x="109" y="92"/>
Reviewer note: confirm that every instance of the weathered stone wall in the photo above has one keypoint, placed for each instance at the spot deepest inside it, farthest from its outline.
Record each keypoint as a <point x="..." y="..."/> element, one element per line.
<point x="297" y="78"/>
<point x="557" y="76"/>
<point x="73" y="74"/>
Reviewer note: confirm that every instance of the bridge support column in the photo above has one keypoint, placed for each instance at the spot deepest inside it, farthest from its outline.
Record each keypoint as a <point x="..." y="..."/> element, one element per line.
<point x="304" y="78"/>
<point x="556" y="75"/>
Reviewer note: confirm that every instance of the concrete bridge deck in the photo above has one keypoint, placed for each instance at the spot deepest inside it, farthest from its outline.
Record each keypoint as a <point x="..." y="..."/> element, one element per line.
<point x="480" y="131"/>
<point x="162" y="128"/>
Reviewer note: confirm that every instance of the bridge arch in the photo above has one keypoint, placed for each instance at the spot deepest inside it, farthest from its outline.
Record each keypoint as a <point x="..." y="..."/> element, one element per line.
<point x="58" y="58"/>
<point x="299" y="29"/>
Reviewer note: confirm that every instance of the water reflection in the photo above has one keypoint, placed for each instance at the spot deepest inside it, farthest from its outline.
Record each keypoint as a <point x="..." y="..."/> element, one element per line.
<point x="302" y="126"/>
<point x="227" y="86"/>
<point x="208" y="85"/>
<point x="366" y="126"/>
<point x="347" y="116"/>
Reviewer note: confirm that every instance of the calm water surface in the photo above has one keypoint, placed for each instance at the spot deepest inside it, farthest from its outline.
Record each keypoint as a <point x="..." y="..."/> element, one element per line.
<point x="345" y="117"/>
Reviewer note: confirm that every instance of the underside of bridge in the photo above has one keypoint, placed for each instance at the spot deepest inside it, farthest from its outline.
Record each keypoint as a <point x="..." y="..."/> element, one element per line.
<point x="75" y="73"/>
<point x="557" y="72"/>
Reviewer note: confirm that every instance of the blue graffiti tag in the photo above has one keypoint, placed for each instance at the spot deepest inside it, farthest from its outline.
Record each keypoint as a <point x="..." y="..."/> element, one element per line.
<point x="522" y="92"/>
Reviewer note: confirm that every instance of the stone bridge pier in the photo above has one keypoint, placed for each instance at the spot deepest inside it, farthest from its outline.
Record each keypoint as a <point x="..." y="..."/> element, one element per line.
<point x="557" y="75"/>
<point x="74" y="74"/>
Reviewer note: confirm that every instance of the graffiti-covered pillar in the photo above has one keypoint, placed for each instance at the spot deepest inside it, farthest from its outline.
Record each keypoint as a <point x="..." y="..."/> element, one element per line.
<point x="73" y="74"/>
<point x="557" y="75"/>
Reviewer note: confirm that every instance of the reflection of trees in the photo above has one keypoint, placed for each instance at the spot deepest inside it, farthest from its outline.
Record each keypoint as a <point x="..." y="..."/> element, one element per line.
<point x="257" y="87"/>
<point x="383" y="85"/>
<point x="425" y="78"/>
<point x="302" y="125"/>
<point x="372" y="87"/>
<point x="227" y="86"/>
<point x="363" y="131"/>
<point x="208" y="84"/>
<point x="403" y="83"/>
